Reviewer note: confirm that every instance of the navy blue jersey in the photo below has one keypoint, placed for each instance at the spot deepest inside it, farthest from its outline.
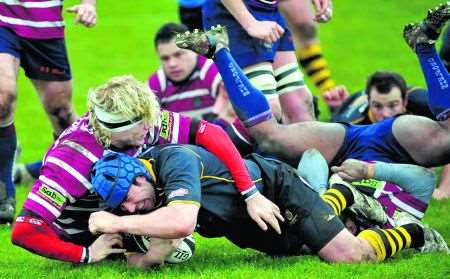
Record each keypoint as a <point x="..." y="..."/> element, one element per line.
<point x="190" y="174"/>
<point x="187" y="172"/>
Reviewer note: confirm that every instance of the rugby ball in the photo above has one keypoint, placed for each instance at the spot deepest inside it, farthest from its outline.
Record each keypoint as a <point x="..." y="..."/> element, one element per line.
<point x="184" y="252"/>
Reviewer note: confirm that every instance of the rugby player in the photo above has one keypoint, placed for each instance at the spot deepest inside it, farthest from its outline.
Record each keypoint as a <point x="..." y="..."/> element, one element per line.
<point x="123" y="116"/>
<point x="186" y="82"/>
<point x="187" y="186"/>
<point x="395" y="139"/>
<point x="262" y="45"/>
<point x="32" y="37"/>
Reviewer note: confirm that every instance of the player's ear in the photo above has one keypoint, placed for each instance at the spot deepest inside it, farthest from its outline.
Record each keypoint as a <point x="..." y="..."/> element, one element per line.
<point x="140" y="180"/>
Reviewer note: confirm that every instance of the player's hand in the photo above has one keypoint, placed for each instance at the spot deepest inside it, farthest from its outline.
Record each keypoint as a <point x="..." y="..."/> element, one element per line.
<point x="159" y="251"/>
<point x="351" y="170"/>
<point x="103" y="246"/>
<point x="102" y="222"/>
<point x="86" y="14"/>
<point x="263" y="211"/>
<point x="268" y="31"/>
<point x="439" y="194"/>
<point x="324" y="10"/>
<point x="336" y="96"/>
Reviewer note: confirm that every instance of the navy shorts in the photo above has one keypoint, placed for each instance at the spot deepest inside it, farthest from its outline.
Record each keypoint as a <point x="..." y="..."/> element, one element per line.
<point x="247" y="50"/>
<point x="374" y="142"/>
<point x="41" y="59"/>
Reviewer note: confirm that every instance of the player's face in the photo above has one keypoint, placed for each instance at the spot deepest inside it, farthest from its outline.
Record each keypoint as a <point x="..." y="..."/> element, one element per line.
<point x="141" y="196"/>
<point x="133" y="137"/>
<point x="386" y="105"/>
<point x="177" y="63"/>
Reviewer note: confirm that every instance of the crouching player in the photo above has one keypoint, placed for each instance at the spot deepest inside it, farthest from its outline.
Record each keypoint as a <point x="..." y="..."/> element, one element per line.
<point x="188" y="187"/>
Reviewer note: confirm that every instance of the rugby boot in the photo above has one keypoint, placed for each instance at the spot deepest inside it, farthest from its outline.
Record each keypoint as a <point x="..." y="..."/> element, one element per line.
<point x="433" y="241"/>
<point x="428" y="30"/>
<point x="363" y="205"/>
<point x="7" y="210"/>
<point x="204" y="43"/>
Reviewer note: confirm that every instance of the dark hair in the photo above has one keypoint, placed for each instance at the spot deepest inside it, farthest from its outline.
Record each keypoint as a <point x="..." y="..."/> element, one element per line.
<point x="384" y="81"/>
<point x="168" y="31"/>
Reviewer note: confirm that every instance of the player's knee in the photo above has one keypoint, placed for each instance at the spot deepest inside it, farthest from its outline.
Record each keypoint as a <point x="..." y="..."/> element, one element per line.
<point x="306" y="31"/>
<point x="350" y="254"/>
<point x="344" y="248"/>
<point x="7" y="101"/>
<point x="265" y="135"/>
<point x="63" y="114"/>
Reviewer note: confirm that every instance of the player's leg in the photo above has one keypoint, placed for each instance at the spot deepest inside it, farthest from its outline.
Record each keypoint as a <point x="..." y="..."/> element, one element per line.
<point x="444" y="52"/>
<point x="314" y="168"/>
<point x="295" y="98"/>
<point x="51" y="76"/>
<point x="443" y="191"/>
<point x="286" y="141"/>
<point x="191" y="17"/>
<point x="436" y="151"/>
<point x="320" y="228"/>
<point x="372" y="244"/>
<point x="9" y="67"/>
<point x="300" y="18"/>
<point x="421" y="38"/>
<point x="56" y="96"/>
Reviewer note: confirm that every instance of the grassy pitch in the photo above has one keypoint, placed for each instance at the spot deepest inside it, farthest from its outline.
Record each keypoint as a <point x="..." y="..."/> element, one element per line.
<point x="363" y="36"/>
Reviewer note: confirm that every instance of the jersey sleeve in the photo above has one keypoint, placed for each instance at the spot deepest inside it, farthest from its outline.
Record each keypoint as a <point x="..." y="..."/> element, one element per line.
<point x="215" y="140"/>
<point x="64" y="177"/>
<point x="175" y="128"/>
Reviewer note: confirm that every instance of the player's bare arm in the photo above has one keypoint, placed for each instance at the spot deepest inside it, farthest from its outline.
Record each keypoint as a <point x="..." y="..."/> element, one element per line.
<point x="173" y="221"/>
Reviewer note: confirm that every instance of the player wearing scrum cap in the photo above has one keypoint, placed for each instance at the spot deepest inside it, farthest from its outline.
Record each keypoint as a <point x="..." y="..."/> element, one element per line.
<point x="123" y="116"/>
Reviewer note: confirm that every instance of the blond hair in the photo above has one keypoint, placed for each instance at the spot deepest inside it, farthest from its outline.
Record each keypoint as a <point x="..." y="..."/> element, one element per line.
<point x="124" y="96"/>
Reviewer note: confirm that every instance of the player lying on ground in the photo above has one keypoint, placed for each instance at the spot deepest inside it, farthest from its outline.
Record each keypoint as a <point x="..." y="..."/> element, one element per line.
<point x="392" y="140"/>
<point x="188" y="186"/>
<point x="123" y="116"/>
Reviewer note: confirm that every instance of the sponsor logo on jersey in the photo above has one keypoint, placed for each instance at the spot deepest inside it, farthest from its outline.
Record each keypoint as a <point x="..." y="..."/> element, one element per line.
<point x="290" y="217"/>
<point x="329" y="217"/>
<point x="372" y="183"/>
<point x="178" y="193"/>
<point x="52" y="195"/>
<point x="166" y="125"/>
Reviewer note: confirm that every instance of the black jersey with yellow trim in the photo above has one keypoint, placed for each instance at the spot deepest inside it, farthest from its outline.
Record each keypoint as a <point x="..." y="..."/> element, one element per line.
<point x="190" y="174"/>
<point x="355" y="109"/>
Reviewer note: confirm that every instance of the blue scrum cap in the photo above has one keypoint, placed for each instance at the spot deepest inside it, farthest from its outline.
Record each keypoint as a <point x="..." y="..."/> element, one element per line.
<point x="113" y="175"/>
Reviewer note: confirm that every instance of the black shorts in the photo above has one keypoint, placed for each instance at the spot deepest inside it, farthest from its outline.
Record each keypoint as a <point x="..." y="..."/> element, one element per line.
<point x="41" y="59"/>
<point x="308" y="219"/>
<point x="191" y="17"/>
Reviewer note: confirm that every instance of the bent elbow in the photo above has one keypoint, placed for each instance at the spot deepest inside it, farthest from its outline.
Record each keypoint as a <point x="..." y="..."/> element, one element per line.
<point x="184" y="229"/>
